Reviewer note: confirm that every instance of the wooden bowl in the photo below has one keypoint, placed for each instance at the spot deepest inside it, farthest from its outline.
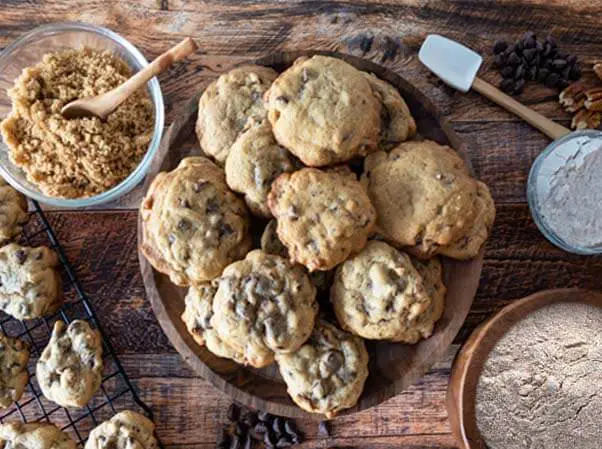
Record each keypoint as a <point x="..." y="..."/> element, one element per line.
<point x="469" y="363"/>
<point x="393" y="367"/>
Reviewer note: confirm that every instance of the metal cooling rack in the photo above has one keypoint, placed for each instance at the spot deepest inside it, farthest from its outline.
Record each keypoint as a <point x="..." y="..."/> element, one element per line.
<point x="116" y="392"/>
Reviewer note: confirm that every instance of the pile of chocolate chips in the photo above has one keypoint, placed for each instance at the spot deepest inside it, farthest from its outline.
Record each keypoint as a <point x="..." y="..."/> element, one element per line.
<point x="248" y="428"/>
<point x="530" y="59"/>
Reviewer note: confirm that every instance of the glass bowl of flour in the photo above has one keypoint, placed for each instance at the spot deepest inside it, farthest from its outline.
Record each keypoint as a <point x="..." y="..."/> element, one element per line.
<point x="565" y="192"/>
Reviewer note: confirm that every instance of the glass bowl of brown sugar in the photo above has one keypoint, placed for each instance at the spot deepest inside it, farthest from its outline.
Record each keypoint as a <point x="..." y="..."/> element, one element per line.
<point x="80" y="162"/>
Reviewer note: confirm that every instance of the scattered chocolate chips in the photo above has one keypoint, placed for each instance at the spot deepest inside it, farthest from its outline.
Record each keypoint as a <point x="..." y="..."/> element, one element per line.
<point x="530" y="59"/>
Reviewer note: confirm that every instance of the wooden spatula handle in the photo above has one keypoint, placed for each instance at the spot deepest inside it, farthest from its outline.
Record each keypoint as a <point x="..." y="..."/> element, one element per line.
<point x="545" y="125"/>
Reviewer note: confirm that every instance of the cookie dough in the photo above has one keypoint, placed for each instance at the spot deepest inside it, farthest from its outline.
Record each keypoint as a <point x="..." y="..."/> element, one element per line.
<point x="125" y="430"/>
<point x="30" y="285"/>
<point x="18" y="435"/>
<point x="323" y="216"/>
<point x="193" y="225"/>
<point x="228" y="104"/>
<point x="379" y="295"/>
<point x="254" y="162"/>
<point x="327" y="374"/>
<point x="324" y="111"/>
<point x="424" y="196"/>
<point x="397" y="124"/>
<point x="13" y="211"/>
<point x="264" y="305"/>
<point x="197" y="317"/>
<point x="69" y="370"/>
<point x="14" y="356"/>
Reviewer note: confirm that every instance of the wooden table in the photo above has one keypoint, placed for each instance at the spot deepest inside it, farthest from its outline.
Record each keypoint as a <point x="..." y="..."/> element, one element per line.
<point x="519" y="261"/>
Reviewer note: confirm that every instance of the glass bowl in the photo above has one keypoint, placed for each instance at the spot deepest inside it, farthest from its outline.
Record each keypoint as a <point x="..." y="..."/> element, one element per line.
<point x="551" y="159"/>
<point x="28" y="50"/>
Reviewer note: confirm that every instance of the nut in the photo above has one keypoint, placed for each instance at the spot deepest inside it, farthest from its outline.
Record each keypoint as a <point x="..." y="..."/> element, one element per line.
<point x="586" y="119"/>
<point x="593" y="99"/>
<point x="598" y="69"/>
<point x="572" y="98"/>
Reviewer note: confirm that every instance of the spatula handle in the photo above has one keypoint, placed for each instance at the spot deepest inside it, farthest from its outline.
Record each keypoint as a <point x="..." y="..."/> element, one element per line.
<point x="545" y="125"/>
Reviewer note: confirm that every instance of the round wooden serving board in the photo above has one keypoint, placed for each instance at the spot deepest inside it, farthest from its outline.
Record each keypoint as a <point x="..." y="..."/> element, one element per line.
<point x="469" y="363"/>
<point x="393" y="367"/>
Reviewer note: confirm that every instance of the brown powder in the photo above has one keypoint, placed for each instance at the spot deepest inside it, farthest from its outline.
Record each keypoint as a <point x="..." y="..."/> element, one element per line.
<point x="541" y="387"/>
<point x="79" y="157"/>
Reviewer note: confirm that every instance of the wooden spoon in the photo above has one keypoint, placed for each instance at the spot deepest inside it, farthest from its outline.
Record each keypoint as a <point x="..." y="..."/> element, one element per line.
<point x="102" y="105"/>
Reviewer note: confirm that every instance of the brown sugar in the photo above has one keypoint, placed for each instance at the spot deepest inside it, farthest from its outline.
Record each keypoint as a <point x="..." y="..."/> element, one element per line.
<point x="79" y="157"/>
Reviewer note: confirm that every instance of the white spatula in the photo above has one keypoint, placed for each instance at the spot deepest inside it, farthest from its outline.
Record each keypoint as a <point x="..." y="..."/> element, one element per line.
<point x="458" y="65"/>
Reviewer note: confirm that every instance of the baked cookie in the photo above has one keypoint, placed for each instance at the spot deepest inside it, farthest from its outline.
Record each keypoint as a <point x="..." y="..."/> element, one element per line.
<point x="254" y="162"/>
<point x="324" y="111"/>
<point x="379" y="295"/>
<point x="264" y="305"/>
<point x="197" y="317"/>
<point x="424" y="196"/>
<point x="327" y="374"/>
<point x="13" y="211"/>
<point x="432" y="275"/>
<point x="396" y="122"/>
<point x="323" y="216"/>
<point x="228" y="104"/>
<point x="18" y="435"/>
<point x="125" y="430"/>
<point x="469" y="245"/>
<point x="193" y="225"/>
<point x="30" y="285"/>
<point x="69" y="370"/>
<point x="14" y="356"/>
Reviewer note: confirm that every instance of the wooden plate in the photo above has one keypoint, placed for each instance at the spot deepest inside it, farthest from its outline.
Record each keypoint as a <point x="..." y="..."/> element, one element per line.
<point x="467" y="368"/>
<point x="393" y="367"/>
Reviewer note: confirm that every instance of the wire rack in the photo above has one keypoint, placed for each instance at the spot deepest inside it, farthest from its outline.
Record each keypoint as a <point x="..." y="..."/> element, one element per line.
<point x="116" y="391"/>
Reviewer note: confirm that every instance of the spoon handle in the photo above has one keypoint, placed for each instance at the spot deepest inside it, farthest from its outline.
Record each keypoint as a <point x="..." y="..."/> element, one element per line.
<point x="545" y="125"/>
<point x="121" y="93"/>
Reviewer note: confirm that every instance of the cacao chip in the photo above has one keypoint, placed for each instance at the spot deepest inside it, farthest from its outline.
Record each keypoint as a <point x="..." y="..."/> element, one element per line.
<point x="507" y="72"/>
<point x="520" y="72"/>
<point x="514" y="59"/>
<point x="519" y="86"/>
<point x="507" y="85"/>
<point x="499" y="47"/>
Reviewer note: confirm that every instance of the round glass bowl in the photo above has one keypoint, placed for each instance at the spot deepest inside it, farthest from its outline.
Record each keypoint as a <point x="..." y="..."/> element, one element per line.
<point x="28" y="50"/>
<point x="571" y="148"/>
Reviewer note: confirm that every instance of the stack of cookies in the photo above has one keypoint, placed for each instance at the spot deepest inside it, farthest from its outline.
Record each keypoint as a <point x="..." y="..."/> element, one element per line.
<point x="352" y="210"/>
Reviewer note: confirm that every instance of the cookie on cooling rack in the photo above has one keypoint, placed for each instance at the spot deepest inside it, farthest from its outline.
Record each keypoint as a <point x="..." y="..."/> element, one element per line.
<point x="30" y="285"/>
<point x="427" y="201"/>
<point x="13" y="211"/>
<point x="327" y="374"/>
<point x="34" y="436"/>
<point x="197" y="316"/>
<point x="125" y="430"/>
<point x="228" y="104"/>
<point x="193" y="225"/>
<point x="254" y="162"/>
<point x="323" y="215"/>
<point x="69" y="370"/>
<point x="14" y="356"/>
<point x="264" y="305"/>
<point x="324" y="111"/>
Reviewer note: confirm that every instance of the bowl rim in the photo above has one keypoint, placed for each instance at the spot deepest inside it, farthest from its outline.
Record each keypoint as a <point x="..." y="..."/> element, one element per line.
<point x="138" y="174"/>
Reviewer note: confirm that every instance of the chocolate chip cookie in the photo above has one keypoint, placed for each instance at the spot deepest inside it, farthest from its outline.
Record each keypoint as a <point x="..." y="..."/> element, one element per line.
<point x="14" y="356"/>
<point x="125" y="430"/>
<point x="323" y="216"/>
<point x="69" y="370"/>
<point x="327" y="374"/>
<point x="30" y="285"/>
<point x="264" y="305"/>
<point x="193" y="225"/>
<point x="254" y="162"/>
<point x="378" y="294"/>
<point x="18" y="435"/>
<point x="197" y="317"/>
<point x="397" y="124"/>
<point x="13" y="211"/>
<point x="424" y="195"/>
<point x="228" y="104"/>
<point x="324" y="111"/>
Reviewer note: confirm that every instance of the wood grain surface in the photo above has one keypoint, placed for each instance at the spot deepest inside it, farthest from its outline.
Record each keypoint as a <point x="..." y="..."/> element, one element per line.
<point x="518" y="260"/>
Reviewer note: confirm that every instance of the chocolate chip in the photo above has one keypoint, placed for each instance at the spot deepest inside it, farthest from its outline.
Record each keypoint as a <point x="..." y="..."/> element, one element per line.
<point x="530" y="54"/>
<point x="559" y="64"/>
<point x="265" y="417"/>
<point x="514" y="60"/>
<point x="212" y="206"/>
<point x="519" y="86"/>
<point x="550" y="40"/>
<point x="198" y="186"/>
<point x="323" y="429"/>
<point x="282" y="99"/>
<point x="499" y="47"/>
<point x="21" y="256"/>
<point x="260" y="428"/>
<point x="520" y="72"/>
<point x="284" y="441"/>
<point x="531" y="74"/>
<point x="277" y="425"/>
<point x="552" y="80"/>
<point x="500" y="60"/>
<point x="507" y="85"/>
<point x="233" y="412"/>
<point x="542" y="75"/>
<point x="507" y="72"/>
<point x="268" y="439"/>
<point x="184" y="203"/>
<point x="250" y="419"/>
<point x="290" y="427"/>
<point x="184" y="225"/>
